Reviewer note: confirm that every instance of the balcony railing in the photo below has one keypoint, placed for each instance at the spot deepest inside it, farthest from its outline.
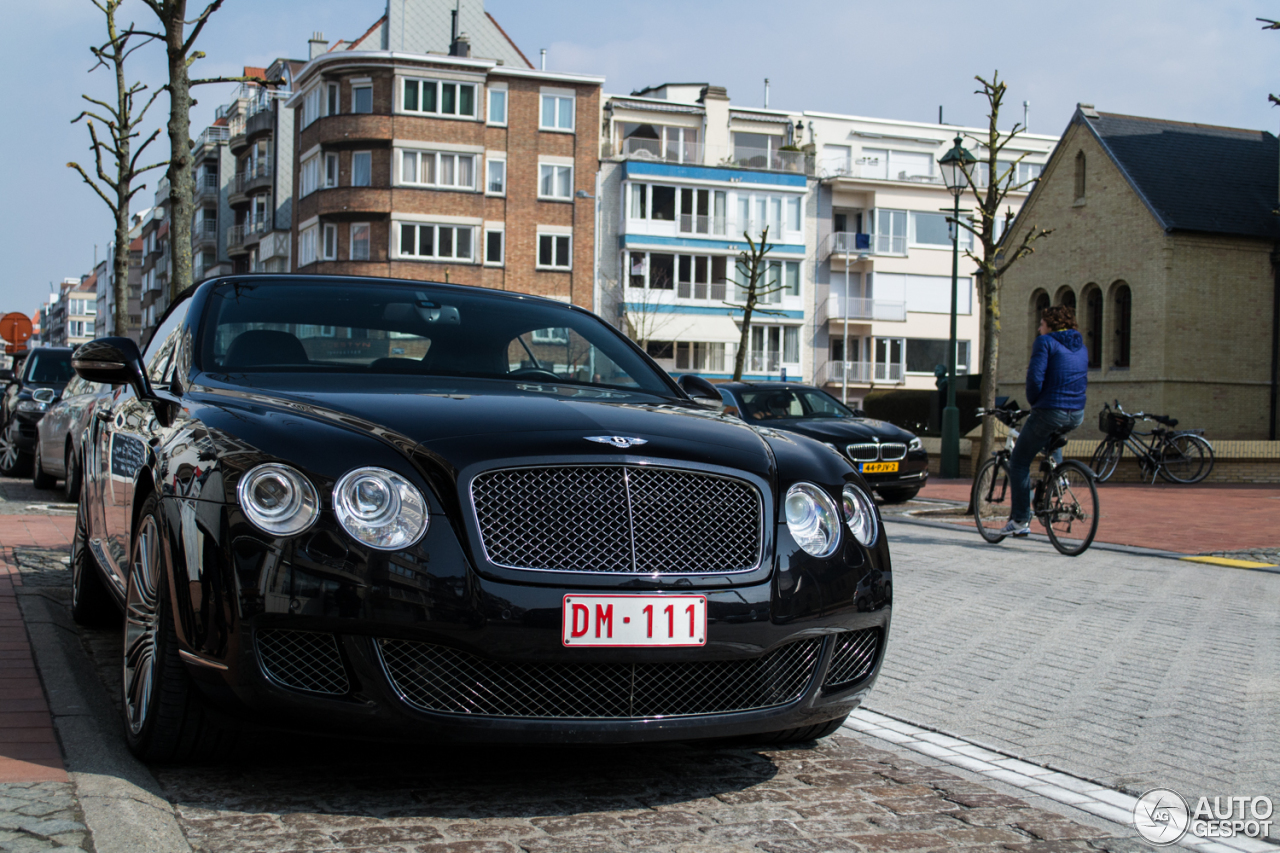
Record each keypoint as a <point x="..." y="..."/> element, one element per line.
<point x="863" y="372"/>
<point x="261" y="169"/>
<point x="653" y="149"/>
<point x="859" y="308"/>
<point x="848" y="242"/>
<point x="692" y="224"/>
<point x="212" y="135"/>
<point x="871" y="169"/>
<point x="772" y="160"/>
<point x="205" y="228"/>
<point x="206" y="184"/>
<point x="238" y="234"/>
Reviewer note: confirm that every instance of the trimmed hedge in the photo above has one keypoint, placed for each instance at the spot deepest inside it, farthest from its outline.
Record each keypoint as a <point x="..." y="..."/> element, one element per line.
<point x="920" y="411"/>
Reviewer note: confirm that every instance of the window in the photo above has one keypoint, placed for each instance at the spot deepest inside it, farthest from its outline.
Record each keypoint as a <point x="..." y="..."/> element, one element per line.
<point x="887" y="165"/>
<point x="697" y="208"/>
<point x="441" y="242"/>
<point x="329" y="249"/>
<point x="891" y="232"/>
<point x="889" y="359"/>
<point x="312" y="103"/>
<point x="1124" y="324"/>
<point x="360" y="241"/>
<point x="793" y="214"/>
<point x="553" y="251"/>
<point x="654" y="270"/>
<point x="331" y="169"/>
<point x="756" y="150"/>
<point x="933" y="229"/>
<point x="698" y="276"/>
<point x="1080" y="167"/>
<point x="1091" y="324"/>
<point x="362" y="99"/>
<point x="439" y="98"/>
<point x="497" y="106"/>
<point x="791" y="278"/>
<point x="694" y="355"/>
<point x="496" y="180"/>
<point x="661" y="349"/>
<point x="555" y="181"/>
<point x="331" y="99"/>
<point x="361" y="168"/>
<point x="494" y="247"/>
<point x="639" y="197"/>
<point x="659" y="142"/>
<point x="307" y="245"/>
<point x="557" y="112"/>
<point x="924" y="354"/>
<point x="773" y="346"/>
<point x="928" y="294"/>
<point x="310" y="175"/>
<point x="429" y="168"/>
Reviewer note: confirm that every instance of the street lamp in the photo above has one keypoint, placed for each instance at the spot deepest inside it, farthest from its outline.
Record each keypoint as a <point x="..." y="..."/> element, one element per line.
<point x="955" y="164"/>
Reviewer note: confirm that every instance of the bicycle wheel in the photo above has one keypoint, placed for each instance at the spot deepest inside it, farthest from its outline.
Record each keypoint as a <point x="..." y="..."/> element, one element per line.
<point x="1186" y="458"/>
<point x="992" y="500"/>
<point x="1070" y="513"/>
<point x="1105" y="459"/>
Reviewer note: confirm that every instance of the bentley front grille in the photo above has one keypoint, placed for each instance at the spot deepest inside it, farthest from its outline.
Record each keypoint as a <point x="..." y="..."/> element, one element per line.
<point x="618" y="518"/>
<point x="436" y="678"/>
<point x="854" y="656"/>
<point x="303" y="660"/>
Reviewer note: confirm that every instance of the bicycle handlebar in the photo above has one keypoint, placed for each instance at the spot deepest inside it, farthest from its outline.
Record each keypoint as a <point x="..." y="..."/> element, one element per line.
<point x="1160" y="419"/>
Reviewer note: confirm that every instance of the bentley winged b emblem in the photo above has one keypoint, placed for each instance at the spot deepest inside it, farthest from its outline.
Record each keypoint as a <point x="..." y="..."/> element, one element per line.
<point x="617" y="440"/>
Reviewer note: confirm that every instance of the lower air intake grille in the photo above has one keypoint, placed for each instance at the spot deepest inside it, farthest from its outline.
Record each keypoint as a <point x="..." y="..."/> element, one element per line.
<point x="854" y="655"/>
<point x="437" y="678"/>
<point x="303" y="660"/>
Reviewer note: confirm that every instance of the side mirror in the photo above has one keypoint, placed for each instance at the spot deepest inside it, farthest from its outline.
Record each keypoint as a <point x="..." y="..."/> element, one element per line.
<point x="699" y="390"/>
<point x="113" y="361"/>
<point x="858" y="413"/>
<point x="44" y="395"/>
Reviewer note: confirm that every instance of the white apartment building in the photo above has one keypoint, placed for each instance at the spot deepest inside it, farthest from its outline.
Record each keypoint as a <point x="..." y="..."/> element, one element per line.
<point x="882" y="299"/>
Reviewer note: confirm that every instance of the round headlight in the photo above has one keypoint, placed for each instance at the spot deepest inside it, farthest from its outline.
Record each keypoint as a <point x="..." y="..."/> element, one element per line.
<point x="380" y="508"/>
<point x="812" y="519"/>
<point x="860" y="515"/>
<point x="278" y="499"/>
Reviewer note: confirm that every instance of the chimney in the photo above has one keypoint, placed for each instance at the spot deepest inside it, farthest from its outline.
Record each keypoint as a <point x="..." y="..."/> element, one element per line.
<point x="318" y="45"/>
<point x="461" y="46"/>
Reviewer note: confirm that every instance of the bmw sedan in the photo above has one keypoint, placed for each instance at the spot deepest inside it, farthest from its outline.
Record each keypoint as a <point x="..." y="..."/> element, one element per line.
<point x="892" y="460"/>
<point x="424" y="511"/>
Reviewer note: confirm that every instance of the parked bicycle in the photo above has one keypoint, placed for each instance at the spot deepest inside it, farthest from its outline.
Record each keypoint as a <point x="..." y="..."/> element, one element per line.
<point x="1178" y="456"/>
<point x="1064" y="498"/>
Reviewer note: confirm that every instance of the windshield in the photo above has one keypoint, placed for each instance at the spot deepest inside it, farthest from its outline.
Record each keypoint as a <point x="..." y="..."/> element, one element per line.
<point x="49" y="367"/>
<point x="761" y="405"/>
<point x="414" y="330"/>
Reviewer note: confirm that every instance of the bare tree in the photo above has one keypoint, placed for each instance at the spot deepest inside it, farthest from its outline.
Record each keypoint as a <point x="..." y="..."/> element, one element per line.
<point x="999" y="251"/>
<point x="122" y="127"/>
<point x="642" y="316"/>
<point x="751" y="266"/>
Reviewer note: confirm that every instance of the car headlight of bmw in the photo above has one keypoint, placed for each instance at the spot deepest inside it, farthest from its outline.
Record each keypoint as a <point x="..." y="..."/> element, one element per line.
<point x="812" y="519"/>
<point x="380" y="508"/>
<point x="916" y="444"/>
<point x="278" y="499"/>
<point x="859" y="513"/>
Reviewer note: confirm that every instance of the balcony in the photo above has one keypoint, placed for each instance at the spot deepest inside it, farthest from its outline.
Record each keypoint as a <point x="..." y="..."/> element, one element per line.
<point x="857" y="308"/>
<point x="204" y="231"/>
<point x="773" y="160"/>
<point x="691" y="224"/>
<point x="256" y="176"/>
<point x="211" y="136"/>
<point x="240" y="236"/>
<point x="870" y="169"/>
<point x="653" y="149"/>
<point x="848" y="243"/>
<point x="206" y="185"/>
<point x="862" y="373"/>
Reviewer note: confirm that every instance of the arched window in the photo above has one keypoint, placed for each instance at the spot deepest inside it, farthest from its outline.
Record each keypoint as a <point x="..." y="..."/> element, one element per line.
<point x="1067" y="297"/>
<point x="1039" y="302"/>
<point x="1080" y="163"/>
<point x="1123" y="301"/>
<point x="1091" y="324"/>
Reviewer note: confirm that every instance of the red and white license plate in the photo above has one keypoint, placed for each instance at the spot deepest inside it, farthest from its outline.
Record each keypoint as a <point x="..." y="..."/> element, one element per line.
<point x="634" y="621"/>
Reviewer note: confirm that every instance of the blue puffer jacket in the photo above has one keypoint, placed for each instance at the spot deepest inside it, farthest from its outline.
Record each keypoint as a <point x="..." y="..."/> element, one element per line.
<point x="1059" y="371"/>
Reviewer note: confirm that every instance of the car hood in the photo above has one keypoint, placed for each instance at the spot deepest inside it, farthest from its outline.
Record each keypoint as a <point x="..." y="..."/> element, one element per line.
<point x="844" y="430"/>
<point x="469" y="424"/>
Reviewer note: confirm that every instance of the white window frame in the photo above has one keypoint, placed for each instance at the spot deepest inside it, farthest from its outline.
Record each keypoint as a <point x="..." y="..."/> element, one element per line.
<point x="399" y="225"/>
<point x="485" y="248"/>
<point x="875" y="231"/>
<point x="310" y="176"/>
<point x="326" y="251"/>
<point x="351" y="242"/>
<point x="497" y="89"/>
<point x="489" y="164"/>
<point x="555" y="236"/>
<point x="438" y="84"/>
<point x="354" y="155"/>
<point x="307" y="248"/>
<point x="555" y="174"/>
<point x="559" y="99"/>
<point x="357" y="85"/>
<point x="312" y="105"/>
<point x="437" y="169"/>
<point x="330" y="178"/>
<point x="332" y="99"/>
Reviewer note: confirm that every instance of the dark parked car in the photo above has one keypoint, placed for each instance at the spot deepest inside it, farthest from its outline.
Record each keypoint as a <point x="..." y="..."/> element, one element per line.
<point x="38" y="383"/>
<point x="891" y="459"/>
<point x="419" y="511"/>
<point x="57" y="449"/>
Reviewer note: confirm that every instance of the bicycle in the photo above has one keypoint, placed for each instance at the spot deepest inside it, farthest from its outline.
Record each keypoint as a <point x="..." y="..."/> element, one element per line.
<point x="1064" y="498"/>
<point x="1177" y="456"/>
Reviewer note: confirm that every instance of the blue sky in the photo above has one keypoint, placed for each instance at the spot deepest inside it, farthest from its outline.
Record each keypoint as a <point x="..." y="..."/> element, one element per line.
<point x="1205" y="61"/>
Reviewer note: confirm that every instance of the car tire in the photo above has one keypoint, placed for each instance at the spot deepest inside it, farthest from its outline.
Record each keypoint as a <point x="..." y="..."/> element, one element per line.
<point x="39" y="478"/>
<point x="165" y="718"/>
<point x="91" y="602"/>
<point x="897" y="496"/>
<point x="802" y="733"/>
<point x="71" y="481"/>
<point x="14" y="462"/>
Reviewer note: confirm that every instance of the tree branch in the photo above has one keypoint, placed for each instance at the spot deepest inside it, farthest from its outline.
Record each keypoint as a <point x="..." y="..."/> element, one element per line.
<point x="1032" y="235"/>
<point x="199" y="22"/>
<point x="110" y="203"/>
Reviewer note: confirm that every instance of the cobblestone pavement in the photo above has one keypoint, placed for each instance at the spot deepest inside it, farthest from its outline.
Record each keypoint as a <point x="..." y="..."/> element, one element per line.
<point x="1257" y="555"/>
<point x="40" y="816"/>
<point x="1135" y="671"/>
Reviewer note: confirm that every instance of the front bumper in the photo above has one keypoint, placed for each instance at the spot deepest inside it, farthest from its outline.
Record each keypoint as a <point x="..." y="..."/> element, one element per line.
<point x="26" y="433"/>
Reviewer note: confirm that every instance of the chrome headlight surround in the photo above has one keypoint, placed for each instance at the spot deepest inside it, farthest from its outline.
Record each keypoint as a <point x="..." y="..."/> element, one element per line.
<point x="380" y="508"/>
<point x="812" y="519"/>
<point x="915" y="444"/>
<point x="859" y="513"/>
<point x="278" y="499"/>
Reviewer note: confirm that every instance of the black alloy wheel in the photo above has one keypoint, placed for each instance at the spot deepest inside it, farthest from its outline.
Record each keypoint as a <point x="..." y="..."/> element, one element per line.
<point x="1070" y="513"/>
<point x="13" y="460"/>
<point x="41" y="479"/>
<point x="91" y="602"/>
<point x="992" y="500"/>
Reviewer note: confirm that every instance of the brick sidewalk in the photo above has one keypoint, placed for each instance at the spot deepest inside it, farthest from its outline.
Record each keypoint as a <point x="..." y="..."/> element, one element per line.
<point x="1197" y="519"/>
<point x="29" y="751"/>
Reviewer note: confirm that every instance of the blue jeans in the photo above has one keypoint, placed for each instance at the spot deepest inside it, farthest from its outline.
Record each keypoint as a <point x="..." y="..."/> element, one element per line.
<point x="1036" y="430"/>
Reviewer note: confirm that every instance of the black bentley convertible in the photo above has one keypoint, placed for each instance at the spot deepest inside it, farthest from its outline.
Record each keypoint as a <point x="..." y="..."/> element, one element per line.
<point x="417" y="511"/>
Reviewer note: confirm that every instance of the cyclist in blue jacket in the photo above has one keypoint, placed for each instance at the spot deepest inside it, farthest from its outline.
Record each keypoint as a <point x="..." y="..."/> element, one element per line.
<point x="1056" y="380"/>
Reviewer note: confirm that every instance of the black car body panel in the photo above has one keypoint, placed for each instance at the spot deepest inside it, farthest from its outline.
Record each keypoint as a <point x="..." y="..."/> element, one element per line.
<point x="246" y="601"/>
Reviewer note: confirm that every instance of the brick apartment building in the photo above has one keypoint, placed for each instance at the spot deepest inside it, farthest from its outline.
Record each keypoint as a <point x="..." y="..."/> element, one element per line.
<point x="430" y="148"/>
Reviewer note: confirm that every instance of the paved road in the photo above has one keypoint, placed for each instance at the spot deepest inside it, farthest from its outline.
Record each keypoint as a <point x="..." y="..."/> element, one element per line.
<point x="1135" y="671"/>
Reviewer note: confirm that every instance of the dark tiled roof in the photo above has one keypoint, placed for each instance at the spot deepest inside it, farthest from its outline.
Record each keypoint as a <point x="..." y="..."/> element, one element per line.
<point x="1196" y="177"/>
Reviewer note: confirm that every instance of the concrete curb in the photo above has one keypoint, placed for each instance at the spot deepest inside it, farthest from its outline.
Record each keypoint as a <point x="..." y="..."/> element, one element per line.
<point x="121" y="801"/>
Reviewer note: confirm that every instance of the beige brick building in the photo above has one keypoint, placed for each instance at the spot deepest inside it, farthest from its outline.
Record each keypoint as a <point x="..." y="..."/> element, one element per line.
<point x="1164" y="241"/>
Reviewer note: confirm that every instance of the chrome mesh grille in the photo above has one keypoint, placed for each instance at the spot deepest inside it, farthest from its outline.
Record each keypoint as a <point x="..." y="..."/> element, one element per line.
<point x="303" y="660"/>
<point x="853" y="658"/>
<point x="616" y="518"/>
<point x="444" y="680"/>
<point x="892" y="451"/>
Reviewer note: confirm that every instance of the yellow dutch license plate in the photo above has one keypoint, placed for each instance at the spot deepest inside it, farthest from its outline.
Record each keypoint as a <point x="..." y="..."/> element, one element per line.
<point x="879" y="467"/>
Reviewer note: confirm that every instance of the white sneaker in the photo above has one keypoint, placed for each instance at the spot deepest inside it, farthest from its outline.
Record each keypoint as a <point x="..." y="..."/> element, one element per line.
<point x="1016" y="528"/>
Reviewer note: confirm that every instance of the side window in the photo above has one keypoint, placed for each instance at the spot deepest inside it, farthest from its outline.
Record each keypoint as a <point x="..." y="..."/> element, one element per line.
<point x="159" y="351"/>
